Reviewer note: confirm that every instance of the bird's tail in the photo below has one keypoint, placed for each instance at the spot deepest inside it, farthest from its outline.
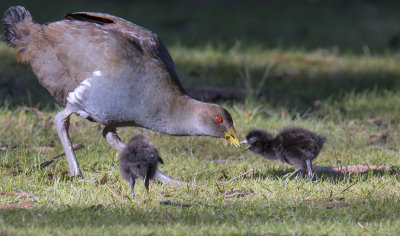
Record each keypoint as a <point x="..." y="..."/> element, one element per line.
<point x="13" y="19"/>
<point x="21" y="32"/>
<point x="322" y="139"/>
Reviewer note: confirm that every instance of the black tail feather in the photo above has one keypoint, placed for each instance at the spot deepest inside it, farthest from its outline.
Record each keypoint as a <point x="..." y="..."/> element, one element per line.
<point x="322" y="140"/>
<point x="11" y="18"/>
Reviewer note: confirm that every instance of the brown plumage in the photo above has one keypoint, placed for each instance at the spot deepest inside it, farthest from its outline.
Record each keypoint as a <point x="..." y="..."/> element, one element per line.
<point x="100" y="40"/>
<point x="113" y="72"/>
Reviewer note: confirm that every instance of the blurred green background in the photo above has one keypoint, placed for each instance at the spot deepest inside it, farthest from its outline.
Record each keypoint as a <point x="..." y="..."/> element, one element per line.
<point x="346" y="25"/>
<point x="315" y="50"/>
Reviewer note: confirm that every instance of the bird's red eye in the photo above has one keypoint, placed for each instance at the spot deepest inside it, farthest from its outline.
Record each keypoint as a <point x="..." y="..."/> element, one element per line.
<point x="218" y="119"/>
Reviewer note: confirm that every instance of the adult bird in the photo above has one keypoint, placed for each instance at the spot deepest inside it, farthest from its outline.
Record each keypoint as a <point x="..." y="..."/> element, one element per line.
<point x="111" y="71"/>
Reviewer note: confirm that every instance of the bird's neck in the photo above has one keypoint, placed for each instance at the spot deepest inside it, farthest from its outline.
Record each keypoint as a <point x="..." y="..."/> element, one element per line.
<point x="183" y="116"/>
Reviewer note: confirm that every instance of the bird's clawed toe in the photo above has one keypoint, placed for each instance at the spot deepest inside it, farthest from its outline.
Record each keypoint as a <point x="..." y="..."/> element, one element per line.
<point x="165" y="179"/>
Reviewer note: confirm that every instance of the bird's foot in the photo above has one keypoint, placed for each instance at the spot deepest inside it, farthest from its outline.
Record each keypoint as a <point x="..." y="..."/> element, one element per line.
<point x="110" y="134"/>
<point x="310" y="172"/>
<point x="168" y="180"/>
<point x="76" y="173"/>
<point x="300" y="174"/>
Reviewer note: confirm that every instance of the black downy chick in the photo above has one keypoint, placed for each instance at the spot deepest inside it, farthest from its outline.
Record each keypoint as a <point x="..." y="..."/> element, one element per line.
<point x="139" y="159"/>
<point x="295" y="146"/>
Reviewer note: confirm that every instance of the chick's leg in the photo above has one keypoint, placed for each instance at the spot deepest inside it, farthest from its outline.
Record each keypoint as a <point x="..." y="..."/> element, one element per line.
<point x="309" y="167"/>
<point x="132" y="183"/>
<point x="146" y="183"/>
<point x="114" y="141"/>
<point x="300" y="174"/>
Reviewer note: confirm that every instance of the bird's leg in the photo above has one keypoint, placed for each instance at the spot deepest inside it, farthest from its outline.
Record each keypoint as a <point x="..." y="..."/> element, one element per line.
<point x="300" y="174"/>
<point x="309" y="167"/>
<point x="132" y="182"/>
<point x="110" y="134"/>
<point x="146" y="183"/>
<point x="62" y="124"/>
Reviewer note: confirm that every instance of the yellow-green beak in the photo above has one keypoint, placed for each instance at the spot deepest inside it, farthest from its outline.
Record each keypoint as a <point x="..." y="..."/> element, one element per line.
<point x="231" y="136"/>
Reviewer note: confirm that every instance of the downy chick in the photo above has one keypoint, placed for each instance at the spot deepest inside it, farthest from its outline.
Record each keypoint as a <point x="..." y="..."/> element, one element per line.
<point x="295" y="146"/>
<point x="139" y="159"/>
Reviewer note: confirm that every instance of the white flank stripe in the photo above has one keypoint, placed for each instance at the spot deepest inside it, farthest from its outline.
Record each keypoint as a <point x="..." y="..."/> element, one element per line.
<point x="86" y="83"/>
<point x="75" y="97"/>
<point x="97" y="73"/>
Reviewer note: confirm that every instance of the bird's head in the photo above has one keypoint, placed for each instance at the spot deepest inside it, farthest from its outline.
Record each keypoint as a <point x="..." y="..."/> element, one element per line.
<point x="258" y="140"/>
<point x="214" y="120"/>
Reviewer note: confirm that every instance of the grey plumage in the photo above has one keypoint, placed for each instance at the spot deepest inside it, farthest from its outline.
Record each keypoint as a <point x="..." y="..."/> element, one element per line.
<point x="295" y="146"/>
<point x="139" y="160"/>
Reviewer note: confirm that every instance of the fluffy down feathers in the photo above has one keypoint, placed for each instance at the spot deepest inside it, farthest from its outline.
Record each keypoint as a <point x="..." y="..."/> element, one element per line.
<point x="139" y="160"/>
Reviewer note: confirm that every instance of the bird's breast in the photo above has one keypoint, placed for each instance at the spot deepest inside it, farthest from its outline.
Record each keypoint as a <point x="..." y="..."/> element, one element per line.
<point x="127" y="96"/>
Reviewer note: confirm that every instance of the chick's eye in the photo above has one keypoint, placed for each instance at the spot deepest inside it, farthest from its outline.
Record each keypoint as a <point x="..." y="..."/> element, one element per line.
<point x="218" y="119"/>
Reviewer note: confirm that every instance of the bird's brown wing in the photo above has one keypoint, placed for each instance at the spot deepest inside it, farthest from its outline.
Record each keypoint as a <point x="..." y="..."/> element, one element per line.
<point x="144" y="40"/>
<point x="71" y="51"/>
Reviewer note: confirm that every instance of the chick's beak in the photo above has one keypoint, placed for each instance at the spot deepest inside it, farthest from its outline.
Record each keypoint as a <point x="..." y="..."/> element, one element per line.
<point x="231" y="136"/>
<point x="245" y="142"/>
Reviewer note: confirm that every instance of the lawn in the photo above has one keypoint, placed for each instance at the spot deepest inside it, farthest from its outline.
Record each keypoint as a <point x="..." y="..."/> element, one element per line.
<point x="332" y="67"/>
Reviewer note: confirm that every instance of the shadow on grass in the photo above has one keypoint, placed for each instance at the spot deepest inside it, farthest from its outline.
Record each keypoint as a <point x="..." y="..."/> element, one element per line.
<point x="344" y="177"/>
<point x="252" y="214"/>
<point x="335" y="177"/>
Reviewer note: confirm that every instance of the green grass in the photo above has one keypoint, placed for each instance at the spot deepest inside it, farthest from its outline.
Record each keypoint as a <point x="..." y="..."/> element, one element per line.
<point x="325" y="82"/>
<point x="278" y="204"/>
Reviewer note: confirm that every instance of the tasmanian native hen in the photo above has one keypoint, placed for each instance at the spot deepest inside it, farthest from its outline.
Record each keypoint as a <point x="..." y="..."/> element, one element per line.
<point x="295" y="146"/>
<point x="139" y="159"/>
<point x="114" y="72"/>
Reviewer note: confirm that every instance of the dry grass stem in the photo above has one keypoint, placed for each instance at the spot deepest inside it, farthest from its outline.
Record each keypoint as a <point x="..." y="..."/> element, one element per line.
<point x="237" y="177"/>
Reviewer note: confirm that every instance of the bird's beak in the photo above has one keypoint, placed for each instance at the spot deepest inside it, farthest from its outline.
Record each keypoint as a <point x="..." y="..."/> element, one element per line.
<point x="231" y="136"/>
